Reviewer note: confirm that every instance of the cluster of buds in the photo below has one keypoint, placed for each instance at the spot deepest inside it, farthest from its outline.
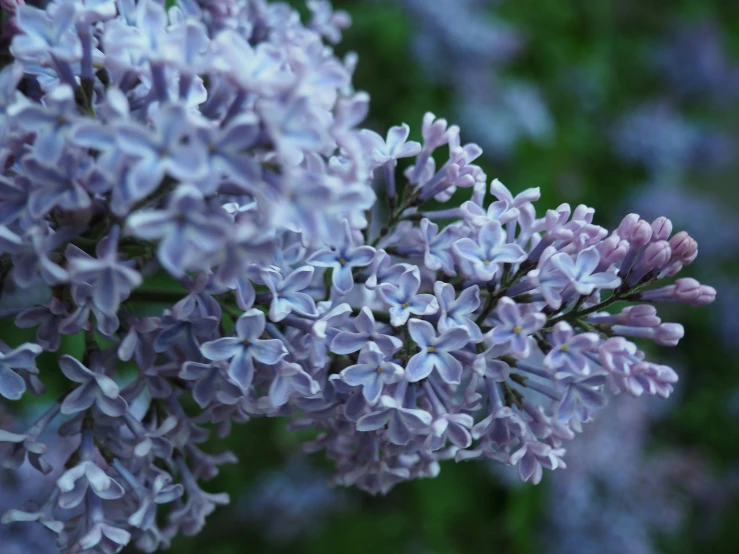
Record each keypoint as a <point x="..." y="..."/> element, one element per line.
<point x="215" y="146"/>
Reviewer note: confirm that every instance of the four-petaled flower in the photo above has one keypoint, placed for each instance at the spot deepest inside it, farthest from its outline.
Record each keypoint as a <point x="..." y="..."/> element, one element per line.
<point x="286" y="293"/>
<point x="111" y="280"/>
<point x="372" y="373"/>
<point x="456" y="312"/>
<point x="489" y="251"/>
<point x="346" y="342"/>
<point x="515" y="328"/>
<point x="187" y="231"/>
<point x="437" y="252"/>
<point x="580" y="271"/>
<point x="74" y="483"/>
<point x="343" y="260"/>
<point x="165" y="151"/>
<point x="533" y="457"/>
<point x="245" y="347"/>
<point x="404" y="299"/>
<point x="12" y="385"/>
<point x="393" y="147"/>
<point x="402" y="423"/>
<point x="291" y="378"/>
<point x="568" y="350"/>
<point x="95" y="388"/>
<point x="436" y="352"/>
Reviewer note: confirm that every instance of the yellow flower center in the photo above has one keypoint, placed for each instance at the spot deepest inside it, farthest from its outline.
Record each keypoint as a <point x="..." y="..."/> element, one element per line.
<point x="565" y="347"/>
<point x="380" y="369"/>
<point x="405" y="304"/>
<point x="431" y="349"/>
<point x="486" y="262"/>
<point x="246" y="342"/>
<point x="342" y="261"/>
<point x="517" y="329"/>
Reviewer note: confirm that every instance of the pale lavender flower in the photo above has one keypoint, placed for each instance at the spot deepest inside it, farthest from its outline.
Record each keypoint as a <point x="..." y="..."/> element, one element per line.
<point x="111" y="280"/>
<point x="393" y="147"/>
<point x="162" y="152"/>
<point x="488" y="251"/>
<point x="581" y="271"/>
<point x="404" y="299"/>
<point x="56" y="185"/>
<point x="436" y="246"/>
<point x="95" y="388"/>
<point x="186" y="232"/>
<point x="436" y="351"/>
<point x="342" y="260"/>
<point x="74" y="483"/>
<point x="533" y="457"/>
<point x="456" y="312"/>
<point x="245" y="347"/>
<point x="372" y="373"/>
<point x="515" y="328"/>
<point x="346" y="342"/>
<point x="50" y="122"/>
<point x="569" y="351"/>
<point x="402" y="423"/>
<point x="47" y="37"/>
<point x="13" y="365"/>
<point x="291" y="380"/>
<point x="286" y="293"/>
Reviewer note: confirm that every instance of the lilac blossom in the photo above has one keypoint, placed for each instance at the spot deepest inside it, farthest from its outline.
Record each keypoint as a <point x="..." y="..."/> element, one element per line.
<point x="402" y="422"/>
<point x="404" y="300"/>
<point x="515" y="328"/>
<point x="581" y="272"/>
<point x="95" y="388"/>
<point x="455" y="312"/>
<point x="171" y="186"/>
<point x="346" y="342"/>
<point x="186" y="231"/>
<point x="287" y="295"/>
<point x="111" y="280"/>
<point x="393" y="147"/>
<point x="488" y="251"/>
<point x="342" y="260"/>
<point x="372" y="373"/>
<point x="245" y="347"/>
<point x="13" y="365"/>
<point x="164" y="153"/>
<point x="569" y="351"/>
<point x="436" y="352"/>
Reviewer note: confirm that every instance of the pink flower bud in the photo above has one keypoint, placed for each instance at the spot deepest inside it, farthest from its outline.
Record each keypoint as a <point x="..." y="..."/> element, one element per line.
<point x="661" y="228"/>
<point x="641" y="234"/>
<point x="612" y="250"/>
<point x="668" y="334"/>
<point x="687" y="290"/>
<point x="684" y="248"/>
<point x="656" y="255"/>
<point x="626" y="225"/>
<point x="706" y="296"/>
<point x="641" y="315"/>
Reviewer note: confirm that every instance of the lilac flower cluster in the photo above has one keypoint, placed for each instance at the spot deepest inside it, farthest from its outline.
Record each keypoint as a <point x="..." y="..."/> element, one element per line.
<point x="216" y="146"/>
